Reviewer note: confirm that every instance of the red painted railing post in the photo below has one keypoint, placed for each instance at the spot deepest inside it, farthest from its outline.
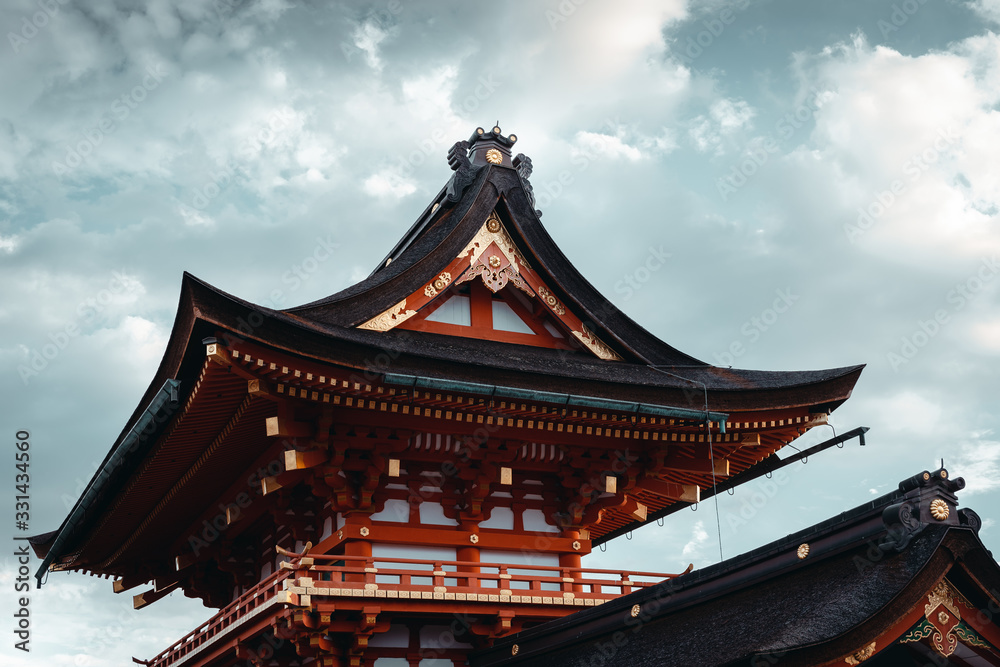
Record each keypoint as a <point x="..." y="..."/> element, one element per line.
<point x="626" y="584"/>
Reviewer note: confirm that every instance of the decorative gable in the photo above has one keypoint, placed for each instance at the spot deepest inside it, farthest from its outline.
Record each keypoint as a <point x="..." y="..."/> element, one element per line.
<point x="473" y="297"/>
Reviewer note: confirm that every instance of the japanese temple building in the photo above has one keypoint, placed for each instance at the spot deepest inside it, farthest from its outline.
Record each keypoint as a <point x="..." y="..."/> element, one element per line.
<point x="409" y="472"/>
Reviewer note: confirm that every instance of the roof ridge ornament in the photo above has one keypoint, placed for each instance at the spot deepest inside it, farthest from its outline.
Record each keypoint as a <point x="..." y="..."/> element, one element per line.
<point x="485" y="149"/>
<point x="491" y="148"/>
<point x="522" y="164"/>
<point x="465" y="172"/>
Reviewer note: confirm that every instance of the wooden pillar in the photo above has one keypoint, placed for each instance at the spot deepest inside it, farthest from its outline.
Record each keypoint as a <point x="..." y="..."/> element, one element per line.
<point x="469" y="553"/>
<point x="357" y="524"/>
<point x="571" y="560"/>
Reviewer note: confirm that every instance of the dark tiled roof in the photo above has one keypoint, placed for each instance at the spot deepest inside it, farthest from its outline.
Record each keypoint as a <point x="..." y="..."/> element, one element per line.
<point x="864" y="569"/>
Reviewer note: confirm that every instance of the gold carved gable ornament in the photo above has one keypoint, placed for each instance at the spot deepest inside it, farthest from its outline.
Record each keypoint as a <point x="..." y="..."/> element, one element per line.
<point x="492" y="256"/>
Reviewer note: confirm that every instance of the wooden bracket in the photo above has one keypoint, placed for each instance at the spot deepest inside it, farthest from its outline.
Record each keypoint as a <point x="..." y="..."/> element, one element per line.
<point x="286" y="428"/>
<point x="296" y="460"/>
<point x="690" y="493"/>
<point x="125" y="583"/>
<point x="147" y="598"/>
<point x="700" y="465"/>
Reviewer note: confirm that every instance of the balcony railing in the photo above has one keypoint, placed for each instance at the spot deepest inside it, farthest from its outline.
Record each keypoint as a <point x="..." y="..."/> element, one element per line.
<point x="387" y="578"/>
<point x="248" y="605"/>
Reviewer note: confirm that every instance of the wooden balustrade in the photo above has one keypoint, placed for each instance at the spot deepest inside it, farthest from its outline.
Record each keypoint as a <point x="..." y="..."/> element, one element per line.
<point x="249" y="601"/>
<point x="342" y="572"/>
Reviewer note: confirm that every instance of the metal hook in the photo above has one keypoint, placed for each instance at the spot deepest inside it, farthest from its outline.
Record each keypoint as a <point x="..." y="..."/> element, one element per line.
<point x="604" y="546"/>
<point x="628" y="535"/>
<point x="805" y="460"/>
<point x="659" y="522"/>
<point x="731" y="492"/>
<point x="768" y="474"/>
<point x="694" y="507"/>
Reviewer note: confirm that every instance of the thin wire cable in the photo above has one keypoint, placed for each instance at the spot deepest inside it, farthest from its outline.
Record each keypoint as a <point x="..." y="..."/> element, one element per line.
<point x="715" y="490"/>
<point x="711" y="453"/>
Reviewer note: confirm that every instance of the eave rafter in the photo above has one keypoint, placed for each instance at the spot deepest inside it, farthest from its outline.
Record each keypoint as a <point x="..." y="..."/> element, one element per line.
<point x="677" y="450"/>
<point x="674" y="449"/>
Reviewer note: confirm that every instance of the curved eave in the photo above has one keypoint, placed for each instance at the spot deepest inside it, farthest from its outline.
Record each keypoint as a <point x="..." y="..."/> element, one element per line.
<point x="463" y="359"/>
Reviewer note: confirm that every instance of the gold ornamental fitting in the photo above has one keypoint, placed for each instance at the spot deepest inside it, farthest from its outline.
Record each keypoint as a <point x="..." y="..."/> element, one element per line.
<point x="939" y="509"/>
<point x="635" y="610"/>
<point x="493" y="156"/>
<point x="802" y="551"/>
<point x="364" y="531"/>
<point x="474" y="538"/>
<point x="514" y="649"/>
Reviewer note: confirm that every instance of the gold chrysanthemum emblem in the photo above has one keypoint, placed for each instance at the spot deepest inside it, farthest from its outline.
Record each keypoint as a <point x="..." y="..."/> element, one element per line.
<point x="939" y="509"/>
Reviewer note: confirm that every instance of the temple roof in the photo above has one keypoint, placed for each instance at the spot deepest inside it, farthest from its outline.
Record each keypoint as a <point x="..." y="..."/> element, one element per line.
<point x="487" y="201"/>
<point x="328" y="328"/>
<point x="438" y="237"/>
<point x="860" y="579"/>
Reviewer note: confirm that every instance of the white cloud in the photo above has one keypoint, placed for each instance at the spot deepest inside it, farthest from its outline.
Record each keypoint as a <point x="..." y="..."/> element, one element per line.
<point x="731" y="115"/>
<point x="387" y="184"/>
<point x="911" y="412"/>
<point x="988" y="9"/>
<point x="604" y="145"/>
<point x="699" y="538"/>
<point x="985" y="334"/>
<point x="607" y="40"/>
<point x="925" y="124"/>
<point x="429" y="95"/>
<point x="367" y="37"/>
<point x="725" y="117"/>
<point x="978" y="461"/>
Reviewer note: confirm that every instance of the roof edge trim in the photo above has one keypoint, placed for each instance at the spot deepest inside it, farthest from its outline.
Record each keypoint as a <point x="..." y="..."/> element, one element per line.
<point x="166" y="399"/>
<point x="421" y="382"/>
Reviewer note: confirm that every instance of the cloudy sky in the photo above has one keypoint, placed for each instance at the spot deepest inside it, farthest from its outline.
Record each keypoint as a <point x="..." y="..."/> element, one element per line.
<point x="843" y="155"/>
